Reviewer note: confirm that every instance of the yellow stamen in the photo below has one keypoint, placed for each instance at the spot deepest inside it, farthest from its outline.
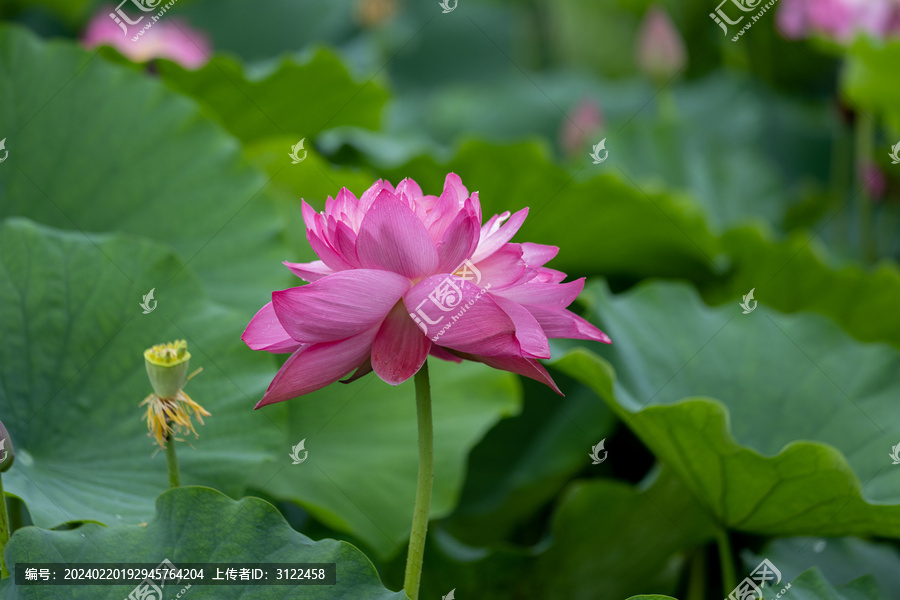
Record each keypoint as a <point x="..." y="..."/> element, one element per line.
<point x="168" y="417"/>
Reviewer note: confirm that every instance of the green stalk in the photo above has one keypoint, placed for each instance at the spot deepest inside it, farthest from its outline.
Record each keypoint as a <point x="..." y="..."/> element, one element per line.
<point x="15" y="516"/>
<point x="668" y="110"/>
<point x="172" y="462"/>
<point x="697" y="576"/>
<point x="729" y="581"/>
<point x="865" y="135"/>
<point x="842" y="178"/>
<point x="4" y="532"/>
<point x="424" y="484"/>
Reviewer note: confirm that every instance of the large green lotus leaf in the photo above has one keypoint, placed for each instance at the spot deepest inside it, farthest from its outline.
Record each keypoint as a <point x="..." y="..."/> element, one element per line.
<point x="734" y="145"/>
<point x="200" y="525"/>
<point x="840" y="559"/>
<point x="98" y="147"/>
<point x="731" y="184"/>
<point x="779" y="424"/>
<point x="797" y="274"/>
<point x="607" y="539"/>
<point x="812" y="585"/>
<point x="593" y="220"/>
<point x="360" y="474"/>
<point x="290" y="97"/>
<point x="631" y="540"/>
<point x="524" y="462"/>
<point x="73" y="376"/>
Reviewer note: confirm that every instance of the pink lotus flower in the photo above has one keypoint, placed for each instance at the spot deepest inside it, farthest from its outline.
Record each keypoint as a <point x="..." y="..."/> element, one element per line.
<point x="403" y="275"/>
<point x="840" y="20"/>
<point x="168" y="38"/>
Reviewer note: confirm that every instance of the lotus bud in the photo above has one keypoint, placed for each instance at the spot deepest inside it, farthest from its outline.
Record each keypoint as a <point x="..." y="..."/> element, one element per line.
<point x="660" y="48"/>
<point x="7" y="455"/>
<point x="582" y="121"/>
<point x="873" y="180"/>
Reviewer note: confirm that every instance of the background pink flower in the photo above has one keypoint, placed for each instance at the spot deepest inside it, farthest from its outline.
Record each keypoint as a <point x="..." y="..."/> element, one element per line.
<point x="402" y="275"/>
<point x="578" y="125"/>
<point x="169" y="38"/>
<point x="840" y="20"/>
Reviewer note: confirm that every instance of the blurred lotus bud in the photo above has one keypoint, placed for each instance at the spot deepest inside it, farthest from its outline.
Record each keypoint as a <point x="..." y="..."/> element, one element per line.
<point x="167" y="37"/>
<point x="660" y="48"/>
<point x="6" y="450"/>
<point x="873" y="181"/>
<point x="167" y="367"/>
<point x="582" y="121"/>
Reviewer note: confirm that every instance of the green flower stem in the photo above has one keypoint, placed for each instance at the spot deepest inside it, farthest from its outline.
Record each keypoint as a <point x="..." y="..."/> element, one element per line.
<point x="842" y="176"/>
<point x="729" y="581"/>
<point x="15" y="516"/>
<point x="865" y="135"/>
<point x="668" y="110"/>
<point x="697" y="576"/>
<point x="4" y="531"/>
<point x="172" y="462"/>
<point x="424" y="484"/>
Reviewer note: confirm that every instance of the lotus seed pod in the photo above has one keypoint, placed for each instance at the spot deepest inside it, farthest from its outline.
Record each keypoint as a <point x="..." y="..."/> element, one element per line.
<point x="167" y="367"/>
<point x="6" y="450"/>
